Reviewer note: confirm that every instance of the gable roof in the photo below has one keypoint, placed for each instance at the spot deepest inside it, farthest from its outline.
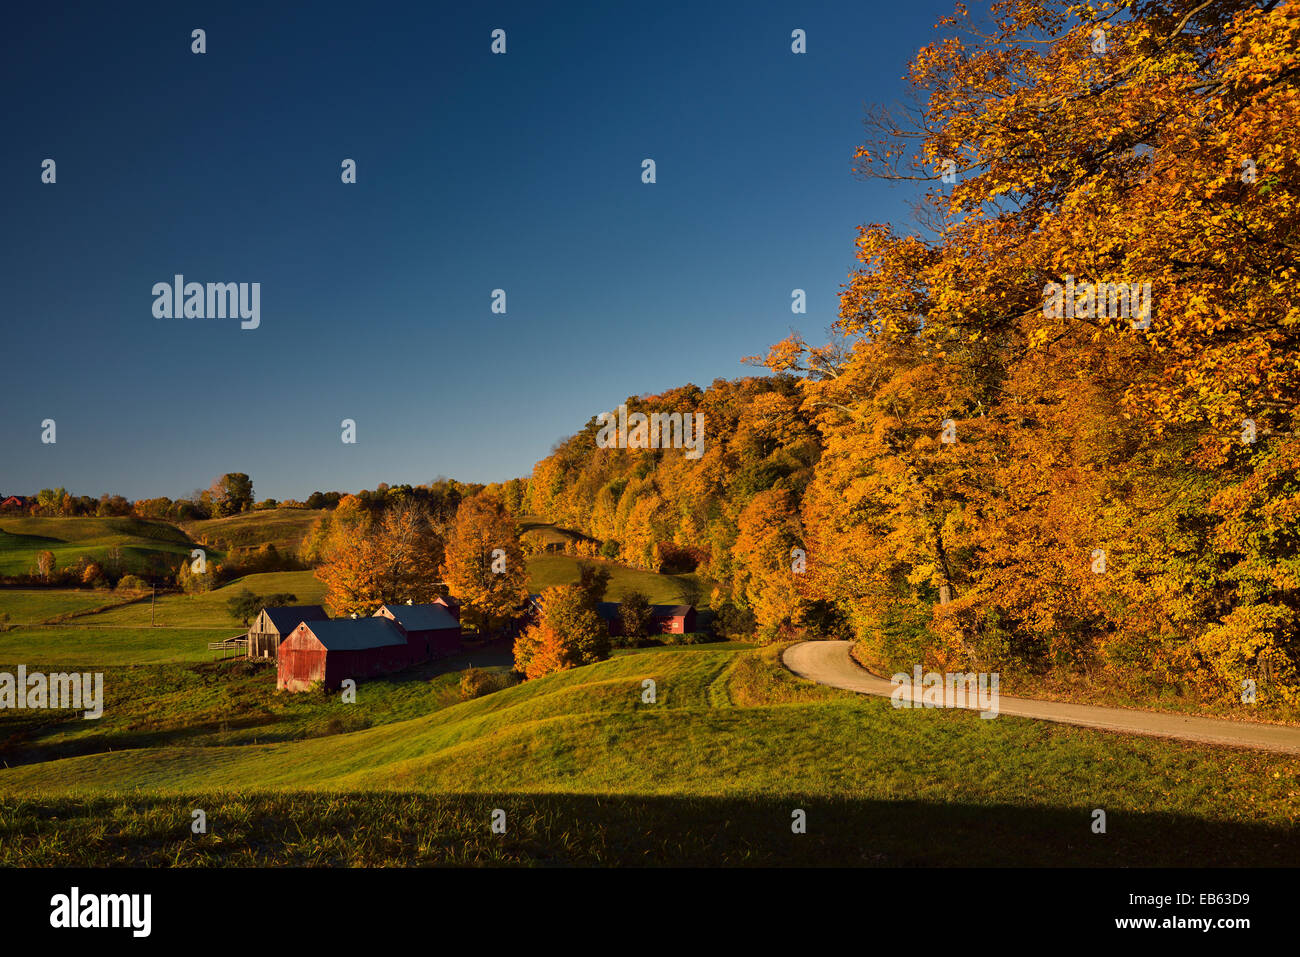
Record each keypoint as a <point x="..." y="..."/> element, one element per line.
<point x="286" y="618"/>
<point x="670" y="611"/>
<point x="609" y="610"/>
<point x="356" y="634"/>
<point x="431" y="617"/>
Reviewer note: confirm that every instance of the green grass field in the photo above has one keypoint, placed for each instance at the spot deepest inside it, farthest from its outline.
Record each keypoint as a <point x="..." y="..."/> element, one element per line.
<point x="182" y="625"/>
<point x="546" y="571"/>
<point x="123" y="635"/>
<point x="590" y="773"/>
<point x="229" y="702"/>
<point x="31" y="606"/>
<point x="137" y="540"/>
<point x="209" y="608"/>
<point x="282" y="527"/>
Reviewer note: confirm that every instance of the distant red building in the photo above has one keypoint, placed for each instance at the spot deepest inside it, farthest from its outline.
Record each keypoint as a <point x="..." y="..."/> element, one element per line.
<point x="673" y="619"/>
<point x="13" y="503"/>
<point x="664" y="619"/>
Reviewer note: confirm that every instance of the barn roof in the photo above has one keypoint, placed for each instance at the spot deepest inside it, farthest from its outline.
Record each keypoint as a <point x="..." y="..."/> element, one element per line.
<point x="669" y="611"/>
<point x="287" y="617"/>
<point x="431" y="617"/>
<point x="609" y="610"/>
<point x="356" y="634"/>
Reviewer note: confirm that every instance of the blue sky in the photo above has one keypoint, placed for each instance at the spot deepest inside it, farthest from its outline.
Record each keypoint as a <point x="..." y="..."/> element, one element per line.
<point x="475" y="172"/>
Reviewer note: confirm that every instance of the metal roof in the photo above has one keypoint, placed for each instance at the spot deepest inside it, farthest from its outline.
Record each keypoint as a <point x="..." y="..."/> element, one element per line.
<point x="431" y="617"/>
<point x="669" y="611"/>
<point x="356" y="634"/>
<point x="609" y="610"/>
<point x="287" y="617"/>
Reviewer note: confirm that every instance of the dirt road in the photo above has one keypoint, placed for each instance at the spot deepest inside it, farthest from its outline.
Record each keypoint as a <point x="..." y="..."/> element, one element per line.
<point x="829" y="663"/>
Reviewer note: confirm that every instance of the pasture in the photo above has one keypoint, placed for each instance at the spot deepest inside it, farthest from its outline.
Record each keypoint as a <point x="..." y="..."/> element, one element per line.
<point x="710" y="772"/>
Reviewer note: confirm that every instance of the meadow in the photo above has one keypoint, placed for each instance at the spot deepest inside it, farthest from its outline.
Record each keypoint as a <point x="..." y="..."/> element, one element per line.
<point x="545" y="571"/>
<point x="589" y="772"/>
<point x="587" y="769"/>
<point x="138" y="543"/>
<point x="282" y="527"/>
<point x="131" y="630"/>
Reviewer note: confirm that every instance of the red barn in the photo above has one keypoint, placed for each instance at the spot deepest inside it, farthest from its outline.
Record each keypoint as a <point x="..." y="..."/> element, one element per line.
<point x="330" y="651"/>
<point x="431" y="630"/>
<point x="274" y="624"/>
<point x="673" y="619"/>
<point x="664" y="619"/>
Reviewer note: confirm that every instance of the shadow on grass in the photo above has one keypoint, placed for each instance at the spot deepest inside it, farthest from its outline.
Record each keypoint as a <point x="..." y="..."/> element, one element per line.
<point x="396" y="828"/>
<point x="32" y="736"/>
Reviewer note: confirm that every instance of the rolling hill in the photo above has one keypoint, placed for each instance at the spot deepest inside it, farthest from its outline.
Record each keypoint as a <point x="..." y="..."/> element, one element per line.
<point x="711" y="772"/>
<point x="138" y="541"/>
<point x="175" y="628"/>
<point x="282" y="527"/>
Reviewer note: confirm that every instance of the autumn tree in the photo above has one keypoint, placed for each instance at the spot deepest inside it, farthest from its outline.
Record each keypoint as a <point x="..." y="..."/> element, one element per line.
<point x="635" y="614"/>
<point x="195" y="580"/>
<point x="371" y="562"/>
<point x="568" y="633"/>
<point x="231" y="494"/>
<point x="769" y="562"/>
<point x="1074" y="484"/>
<point x="49" y="501"/>
<point x="484" y="565"/>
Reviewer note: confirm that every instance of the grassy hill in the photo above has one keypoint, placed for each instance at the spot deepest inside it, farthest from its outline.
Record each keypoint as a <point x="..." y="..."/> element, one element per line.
<point x="545" y="571"/>
<point x="710" y="773"/>
<point x="121" y="635"/>
<point x="227" y="703"/>
<point x="282" y="527"/>
<point x="29" y="606"/>
<point x="136" y="539"/>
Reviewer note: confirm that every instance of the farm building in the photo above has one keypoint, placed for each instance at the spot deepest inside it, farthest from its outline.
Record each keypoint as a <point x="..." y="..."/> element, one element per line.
<point x="673" y="619"/>
<point x="274" y="624"/>
<point x="330" y="651"/>
<point x="14" y="503"/>
<point x="451" y="604"/>
<point x="432" y="631"/>
<point x="664" y="619"/>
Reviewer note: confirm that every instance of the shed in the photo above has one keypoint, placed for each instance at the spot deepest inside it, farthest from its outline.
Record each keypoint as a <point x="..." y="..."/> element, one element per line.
<point x="273" y="625"/>
<point x="330" y="651"/>
<point x="431" y="630"/>
<point x="664" y="619"/>
<point x="673" y="619"/>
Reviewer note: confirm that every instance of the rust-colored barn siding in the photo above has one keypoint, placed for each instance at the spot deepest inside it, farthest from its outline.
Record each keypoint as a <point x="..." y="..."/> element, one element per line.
<point x="273" y="625"/>
<point x="330" y="651"/>
<point x="301" y="661"/>
<point x="678" y="621"/>
<point x="359" y="665"/>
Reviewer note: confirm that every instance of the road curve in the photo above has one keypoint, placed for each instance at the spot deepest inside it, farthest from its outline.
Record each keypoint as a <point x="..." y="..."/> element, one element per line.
<point x="829" y="663"/>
